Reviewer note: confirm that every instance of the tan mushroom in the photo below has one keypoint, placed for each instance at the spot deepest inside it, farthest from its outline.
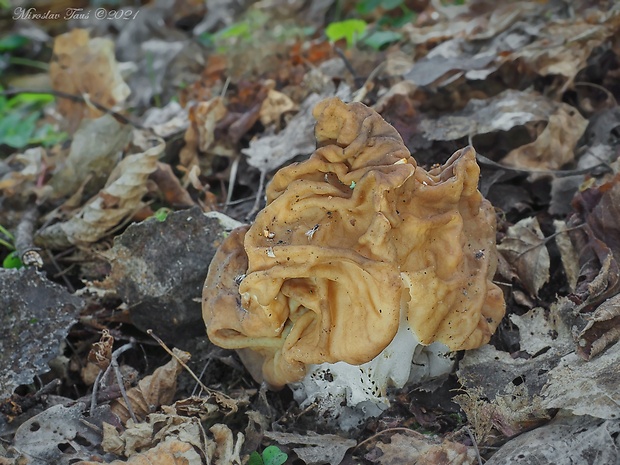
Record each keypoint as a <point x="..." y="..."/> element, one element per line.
<point x="353" y="244"/>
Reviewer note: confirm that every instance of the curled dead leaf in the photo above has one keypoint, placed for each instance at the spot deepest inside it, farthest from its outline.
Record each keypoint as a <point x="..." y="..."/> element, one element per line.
<point x="87" y="67"/>
<point x="152" y="391"/>
<point x="169" y="452"/>
<point x="524" y="248"/>
<point x="554" y="147"/>
<point x="121" y="197"/>
<point x="602" y="329"/>
<point x="417" y="448"/>
<point x="101" y="352"/>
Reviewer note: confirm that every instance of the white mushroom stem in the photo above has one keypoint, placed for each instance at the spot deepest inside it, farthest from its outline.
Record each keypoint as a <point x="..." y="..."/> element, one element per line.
<point x="350" y="394"/>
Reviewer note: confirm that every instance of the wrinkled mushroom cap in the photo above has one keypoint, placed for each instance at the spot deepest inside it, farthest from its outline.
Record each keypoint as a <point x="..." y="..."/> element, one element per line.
<point x="346" y="239"/>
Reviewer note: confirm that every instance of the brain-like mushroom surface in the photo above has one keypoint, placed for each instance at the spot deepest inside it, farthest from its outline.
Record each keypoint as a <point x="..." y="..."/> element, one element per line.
<point x="353" y="242"/>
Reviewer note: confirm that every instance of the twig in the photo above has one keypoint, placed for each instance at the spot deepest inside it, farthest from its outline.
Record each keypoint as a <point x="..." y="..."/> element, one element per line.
<point x="348" y="65"/>
<point x="181" y="362"/>
<point x="61" y="273"/>
<point x="232" y="179"/>
<point x="188" y="369"/>
<point x="558" y="173"/>
<point x="202" y="372"/>
<point x="119" y="380"/>
<point x="475" y="443"/>
<point x="27" y="252"/>
<point x="76" y="98"/>
<point x="601" y="88"/>
<point x="388" y="430"/>
<point x="261" y="186"/>
<point x="360" y="94"/>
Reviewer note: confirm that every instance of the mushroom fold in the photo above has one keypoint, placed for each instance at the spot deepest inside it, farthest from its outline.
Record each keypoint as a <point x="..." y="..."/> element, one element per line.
<point x="354" y="242"/>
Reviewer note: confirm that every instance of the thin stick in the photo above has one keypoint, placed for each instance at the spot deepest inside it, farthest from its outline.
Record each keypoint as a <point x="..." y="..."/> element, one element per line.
<point x="28" y="253"/>
<point x="389" y="430"/>
<point x="119" y="380"/>
<point x="361" y="93"/>
<point x="475" y="443"/>
<point x="202" y="372"/>
<point x="261" y="186"/>
<point x="93" y="399"/>
<point x="232" y="179"/>
<point x="181" y="362"/>
<point x="76" y="98"/>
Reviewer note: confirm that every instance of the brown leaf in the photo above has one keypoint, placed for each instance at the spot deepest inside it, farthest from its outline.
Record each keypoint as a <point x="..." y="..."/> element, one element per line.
<point x="568" y="254"/>
<point x="314" y="448"/>
<point x="152" y="391"/>
<point x="555" y="145"/>
<point x="524" y="248"/>
<point x="126" y="184"/>
<point x="173" y="192"/>
<point x="101" y="352"/>
<point x="226" y="450"/>
<point x="417" y="448"/>
<point x="601" y="330"/>
<point x="169" y="452"/>
<point x="84" y="66"/>
<point x="274" y="107"/>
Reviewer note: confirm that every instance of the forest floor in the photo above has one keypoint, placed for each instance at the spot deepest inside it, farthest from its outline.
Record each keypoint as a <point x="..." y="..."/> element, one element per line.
<point x="133" y="139"/>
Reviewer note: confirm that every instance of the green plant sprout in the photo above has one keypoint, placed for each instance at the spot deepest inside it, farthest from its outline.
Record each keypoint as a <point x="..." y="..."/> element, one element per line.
<point x="162" y="213"/>
<point x="12" y="260"/>
<point x="272" y="455"/>
<point x="349" y="29"/>
<point x="18" y="121"/>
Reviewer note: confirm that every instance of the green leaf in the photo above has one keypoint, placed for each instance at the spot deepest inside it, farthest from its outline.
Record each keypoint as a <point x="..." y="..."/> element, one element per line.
<point x="255" y="459"/>
<point x="378" y="39"/>
<point x="12" y="260"/>
<point x="272" y="455"/>
<point x="162" y="214"/>
<point x="391" y="4"/>
<point x="47" y="136"/>
<point x="241" y="29"/>
<point x="30" y="98"/>
<point x="367" y="6"/>
<point x="349" y="29"/>
<point x="15" y="130"/>
<point x="12" y="42"/>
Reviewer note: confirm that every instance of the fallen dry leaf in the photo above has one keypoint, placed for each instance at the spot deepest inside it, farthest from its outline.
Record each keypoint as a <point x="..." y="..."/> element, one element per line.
<point x="563" y="441"/>
<point x="551" y="149"/>
<point x="22" y="171"/>
<point x="568" y="254"/>
<point x="416" y="448"/>
<point x="95" y="151"/>
<point x="200" y="135"/>
<point x="602" y="329"/>
<point x="121" y="197"/>
<point x="274" y="107"/>
<point x="169" y="452"/>
<point x="272" y="151"/>
<point x="586" y="387"/>
<point x="555" y="145"/>
<point x="524" y="248"/>
<point x="56" y="435"/>
<point x="226" y="450"/>
<point x="152" y="391"/>
<point x="315" y="448"/>
<point x="170" y="187"/>
<point x="86" y="67"/>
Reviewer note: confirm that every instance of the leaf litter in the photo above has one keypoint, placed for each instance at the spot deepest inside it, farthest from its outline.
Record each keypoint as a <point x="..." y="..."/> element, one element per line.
<point x="532" y="85"/>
